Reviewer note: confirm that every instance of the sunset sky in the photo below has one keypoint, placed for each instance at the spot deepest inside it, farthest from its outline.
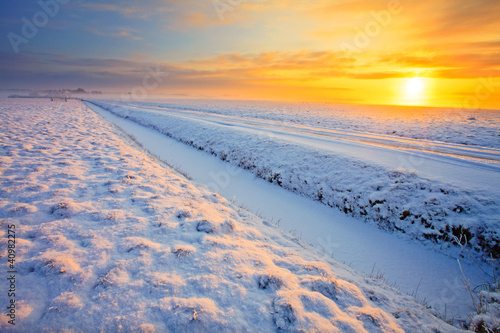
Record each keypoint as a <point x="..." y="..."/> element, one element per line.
<point x="426" y="52"/>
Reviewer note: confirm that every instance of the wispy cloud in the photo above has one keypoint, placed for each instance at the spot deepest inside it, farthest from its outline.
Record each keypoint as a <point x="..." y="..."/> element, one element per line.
<point x="292" y="44"/>
<point x="307" y="65"/>
<point x="272" y="67"/>
<point x="130" y="9"/>
<point x="119" y="33"/>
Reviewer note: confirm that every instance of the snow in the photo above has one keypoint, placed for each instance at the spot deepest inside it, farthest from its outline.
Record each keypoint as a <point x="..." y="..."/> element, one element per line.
<point x="110" y="239"/>
<point x="459" y="126"/>
<point x="438" y="193"/>
<point x="414" y="268"/>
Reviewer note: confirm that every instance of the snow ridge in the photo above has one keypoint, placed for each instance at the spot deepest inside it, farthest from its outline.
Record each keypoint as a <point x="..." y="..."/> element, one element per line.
<point x="396" y="200"/>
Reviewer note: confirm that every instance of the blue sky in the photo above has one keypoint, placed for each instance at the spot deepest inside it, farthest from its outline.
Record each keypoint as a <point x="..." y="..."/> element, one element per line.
<point x="138" y="33"/>
<point x="262" y="49"/>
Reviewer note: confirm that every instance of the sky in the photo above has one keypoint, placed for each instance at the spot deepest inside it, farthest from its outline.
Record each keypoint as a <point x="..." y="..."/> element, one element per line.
<point x="426" y="52"/>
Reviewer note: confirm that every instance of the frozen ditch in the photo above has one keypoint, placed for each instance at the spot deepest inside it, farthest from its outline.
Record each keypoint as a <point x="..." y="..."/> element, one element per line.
<point x="109" y="239"/>
<point x="421" y="194"/>
<point x="413" y="267"/>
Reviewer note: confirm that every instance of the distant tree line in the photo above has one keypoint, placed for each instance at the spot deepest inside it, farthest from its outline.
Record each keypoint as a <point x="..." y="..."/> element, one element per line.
<point x="55" y="93"/>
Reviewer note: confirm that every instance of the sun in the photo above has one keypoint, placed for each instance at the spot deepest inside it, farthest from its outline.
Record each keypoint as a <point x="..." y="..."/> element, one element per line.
<point x="414" y="87"/>
<point x="413" y="91"/>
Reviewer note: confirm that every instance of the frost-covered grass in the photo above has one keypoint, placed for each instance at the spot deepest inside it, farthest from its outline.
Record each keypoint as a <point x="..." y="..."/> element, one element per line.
<point x="397" y="200"/>
<point x="485" y="299"/>
<point x="109" y="239"/>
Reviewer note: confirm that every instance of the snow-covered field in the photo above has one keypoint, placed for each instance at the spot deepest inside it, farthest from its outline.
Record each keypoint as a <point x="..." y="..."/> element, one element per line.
<point x="408" y="180"/>
<point x="109" y="239"/>
<point x="468" y="127"/>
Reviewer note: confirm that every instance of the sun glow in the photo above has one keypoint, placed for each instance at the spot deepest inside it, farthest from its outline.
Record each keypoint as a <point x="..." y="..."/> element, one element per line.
<point x="414" y="87"/>
<point x="414" y="90"/>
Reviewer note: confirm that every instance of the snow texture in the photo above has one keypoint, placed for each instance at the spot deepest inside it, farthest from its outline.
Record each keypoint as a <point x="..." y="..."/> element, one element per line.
<point x="466" y="127"/>
<point x="398" y="199"/>
<point x="109" y="239"/>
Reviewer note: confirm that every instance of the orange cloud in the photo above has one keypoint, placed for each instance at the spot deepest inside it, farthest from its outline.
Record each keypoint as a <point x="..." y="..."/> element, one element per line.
<point x="287" y="47"/>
